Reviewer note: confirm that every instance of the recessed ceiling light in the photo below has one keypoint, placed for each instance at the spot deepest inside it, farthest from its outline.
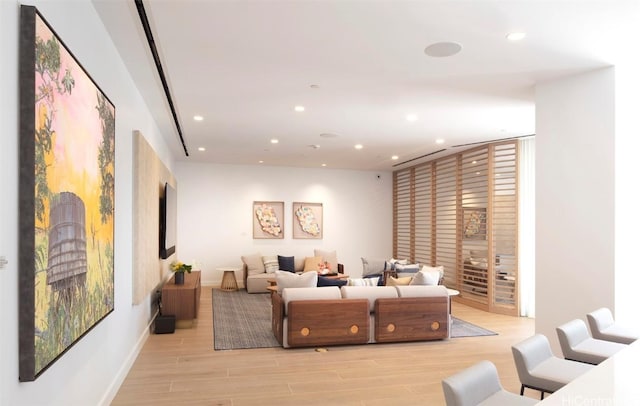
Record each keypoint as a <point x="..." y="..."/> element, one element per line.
<point x="394" y="157"/>
<point x="260" y="162"/>
<point x="202" y="149"/>
<point x="299" y="108"/>
<point x="516" y="36"/>
<point x="274" y="141"/>
<point x="474" y="162"/>
<point x="443" y="49"/>
<point x="198" y="118"/>
<point x="412" y="117"/>
<point x="358" y="146"/>
<point x="324" y="164"/>
<point x="439" y="141"/>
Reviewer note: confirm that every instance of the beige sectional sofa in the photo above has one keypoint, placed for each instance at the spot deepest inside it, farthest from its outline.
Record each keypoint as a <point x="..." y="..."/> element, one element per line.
<point x="257" y="270"/>
<point x="307" y="317"/>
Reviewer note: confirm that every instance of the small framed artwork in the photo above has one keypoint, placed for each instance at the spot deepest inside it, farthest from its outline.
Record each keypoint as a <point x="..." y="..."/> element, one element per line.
<point x="474" y="223"/>
<point x="307" y="220"/>
<point x="268" y="220"/>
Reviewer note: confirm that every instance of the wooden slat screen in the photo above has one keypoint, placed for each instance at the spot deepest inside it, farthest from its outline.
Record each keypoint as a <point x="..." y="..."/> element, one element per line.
<point x="423" y="214"/>
<point x="402" y="214"/>
<point x="446" y="217"/>
<point x="461" y="212"/>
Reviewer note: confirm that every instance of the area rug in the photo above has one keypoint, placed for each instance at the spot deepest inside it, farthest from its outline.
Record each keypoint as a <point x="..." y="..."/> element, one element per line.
<point x="243" y="320"/>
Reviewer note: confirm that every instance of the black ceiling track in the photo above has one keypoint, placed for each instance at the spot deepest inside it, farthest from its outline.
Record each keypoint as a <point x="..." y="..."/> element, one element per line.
<point x="154" y="51"/>
<point x="492" y="141"/>
<point x="419" y="157"/>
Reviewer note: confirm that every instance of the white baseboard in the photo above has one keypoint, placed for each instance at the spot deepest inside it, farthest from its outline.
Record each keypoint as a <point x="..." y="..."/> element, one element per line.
<point x="112" y="391"/>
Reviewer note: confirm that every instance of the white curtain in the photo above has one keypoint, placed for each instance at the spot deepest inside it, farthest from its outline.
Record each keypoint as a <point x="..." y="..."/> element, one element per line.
<point x="527" y="227"/>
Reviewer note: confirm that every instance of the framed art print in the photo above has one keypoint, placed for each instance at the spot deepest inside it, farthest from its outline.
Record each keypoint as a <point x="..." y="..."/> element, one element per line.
<point x="268" y="220"/>
<point x="307" y="220"/>
<point x="67" y="157"/>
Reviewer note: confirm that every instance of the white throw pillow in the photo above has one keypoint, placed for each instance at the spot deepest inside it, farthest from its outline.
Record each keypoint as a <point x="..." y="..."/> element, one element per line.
<point x="363" y="281"/>
<point x="270" y="263"/>
<point x="428" y="275"/>
<point x="286" y="279"/>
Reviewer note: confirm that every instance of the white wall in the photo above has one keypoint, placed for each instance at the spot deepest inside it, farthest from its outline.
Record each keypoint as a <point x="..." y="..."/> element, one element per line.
<point x="574" y="198"/>
<point x="215" y="213"/>
<point x="90" y="372"/>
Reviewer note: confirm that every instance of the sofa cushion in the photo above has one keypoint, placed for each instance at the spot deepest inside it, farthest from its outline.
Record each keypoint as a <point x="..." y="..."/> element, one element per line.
<point x="428" y="276"/>
<point x="370" y="281"/>
<point x="421" y="291"/>
<point x="371" y="294"/>
<point x="372" y="266"/>
<point x="328" y="256"/>
<point x="306" y="293"/>
<point x="311" y="264"/>
<point x="286" y="279"/>
<point x="270" y="263"/>
<point x="254" y="263"/>
<point x="324" y="281"/>
<point x="286" y="264"/>
<point x="258" y="283"/>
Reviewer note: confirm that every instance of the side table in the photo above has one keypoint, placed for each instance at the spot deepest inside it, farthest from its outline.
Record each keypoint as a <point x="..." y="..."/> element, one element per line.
<point x="229" y="282"/>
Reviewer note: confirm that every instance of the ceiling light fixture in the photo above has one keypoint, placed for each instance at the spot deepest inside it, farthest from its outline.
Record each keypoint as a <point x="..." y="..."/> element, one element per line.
<point x="260" y="162"/>
<point x="516" y="36"/>
<point x="474" y="162"/>
<point x="324" y="164"/>
<point x="198" y="118"/>
<point x="443" y="49"/>
<point x="299" y="108"/>
<point x="394" y="157"/>
<point x="274" y="141"/>
<point x="202" y="149"/>
<point x="412" y="117"/>
<point x="439" y="141"/>
<point x="358" y="146"/>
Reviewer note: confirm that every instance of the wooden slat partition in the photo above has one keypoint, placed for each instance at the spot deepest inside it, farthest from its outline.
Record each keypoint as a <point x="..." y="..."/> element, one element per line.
<point x="432" y="203"/>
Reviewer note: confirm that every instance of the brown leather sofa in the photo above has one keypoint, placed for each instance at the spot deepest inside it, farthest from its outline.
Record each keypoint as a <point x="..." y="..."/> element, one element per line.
<point x="308" y="317"/>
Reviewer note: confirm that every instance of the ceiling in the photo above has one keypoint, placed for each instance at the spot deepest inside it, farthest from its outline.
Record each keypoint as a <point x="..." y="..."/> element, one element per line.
<point x="359" y="68"/>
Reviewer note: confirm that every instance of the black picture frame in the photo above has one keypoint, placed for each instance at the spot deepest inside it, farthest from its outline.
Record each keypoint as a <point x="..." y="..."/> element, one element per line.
<point x="66" y="215"/>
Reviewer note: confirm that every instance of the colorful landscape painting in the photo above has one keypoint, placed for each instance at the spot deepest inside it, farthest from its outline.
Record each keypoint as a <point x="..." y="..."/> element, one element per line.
<point x="68" y="140"/>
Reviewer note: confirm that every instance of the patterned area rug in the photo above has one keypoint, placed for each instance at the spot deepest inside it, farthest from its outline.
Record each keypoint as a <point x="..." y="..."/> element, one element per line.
<point x="243" y="320"/>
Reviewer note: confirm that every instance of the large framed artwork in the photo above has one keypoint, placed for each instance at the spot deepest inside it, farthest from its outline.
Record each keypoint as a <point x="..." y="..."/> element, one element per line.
<point x="67" y="152"/>
<point x="268" y="220"/>
<point x="474" y="223"/>
<point x="307" y="220"/>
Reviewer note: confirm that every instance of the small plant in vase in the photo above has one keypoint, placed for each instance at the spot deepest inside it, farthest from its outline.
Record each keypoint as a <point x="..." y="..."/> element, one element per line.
<point x="179" y="268"/>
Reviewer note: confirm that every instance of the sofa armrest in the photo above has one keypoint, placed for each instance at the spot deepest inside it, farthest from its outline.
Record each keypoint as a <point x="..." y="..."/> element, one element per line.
<point x="327" y="322"/>
<point x="412" y="319"/>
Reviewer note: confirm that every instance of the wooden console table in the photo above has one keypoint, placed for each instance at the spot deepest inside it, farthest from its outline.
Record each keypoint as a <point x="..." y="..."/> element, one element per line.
<point x="182" y="300"/>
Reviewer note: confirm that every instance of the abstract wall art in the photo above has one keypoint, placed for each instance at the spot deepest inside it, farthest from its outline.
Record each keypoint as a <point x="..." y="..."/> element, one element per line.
<point x="307" y="220"/>
<point x="67" y="168"/>
<point x="268" y="220"/>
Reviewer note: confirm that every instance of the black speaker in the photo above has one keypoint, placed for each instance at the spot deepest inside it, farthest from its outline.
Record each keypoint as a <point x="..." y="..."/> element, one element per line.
<point x="165" y="324"/>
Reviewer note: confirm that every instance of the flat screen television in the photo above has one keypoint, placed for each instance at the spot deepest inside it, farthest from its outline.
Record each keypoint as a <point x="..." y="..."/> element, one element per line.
<point x="168" y="221"/>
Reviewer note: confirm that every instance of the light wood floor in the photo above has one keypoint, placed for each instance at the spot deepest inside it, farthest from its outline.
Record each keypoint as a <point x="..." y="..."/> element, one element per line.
<point x="183" y="369"/>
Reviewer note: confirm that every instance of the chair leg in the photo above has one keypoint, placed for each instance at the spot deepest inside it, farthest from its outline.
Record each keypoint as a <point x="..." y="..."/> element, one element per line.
<point x="541" y="395"/>
<point x="521" y="390"/>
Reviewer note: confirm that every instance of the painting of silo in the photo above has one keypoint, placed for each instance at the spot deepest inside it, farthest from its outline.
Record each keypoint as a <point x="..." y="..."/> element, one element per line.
<point x="67" y="133"/>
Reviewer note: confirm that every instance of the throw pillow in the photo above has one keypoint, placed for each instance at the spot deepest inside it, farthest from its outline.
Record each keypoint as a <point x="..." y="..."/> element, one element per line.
<point x="286" y="279"/>
<point x="270" y="263"/>
<point x="286" y="264"/>
<point x="254" y="263"/>
<point x="324" y="281"/>
<point x="311" y="264"/>
<point x="428" y="276"/>
<point x="391" y="281"/>
<point x="372" y="266"/>
<point x="363" y="281"/>
<point x="407" y="268"/>
<point x="330" y="257"/>
<point x="439" y="269"/>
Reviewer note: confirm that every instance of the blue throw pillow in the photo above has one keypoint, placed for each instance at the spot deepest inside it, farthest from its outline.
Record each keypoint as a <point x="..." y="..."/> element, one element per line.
<point x="286" y="264"/>
<point x="324" y="281"/>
